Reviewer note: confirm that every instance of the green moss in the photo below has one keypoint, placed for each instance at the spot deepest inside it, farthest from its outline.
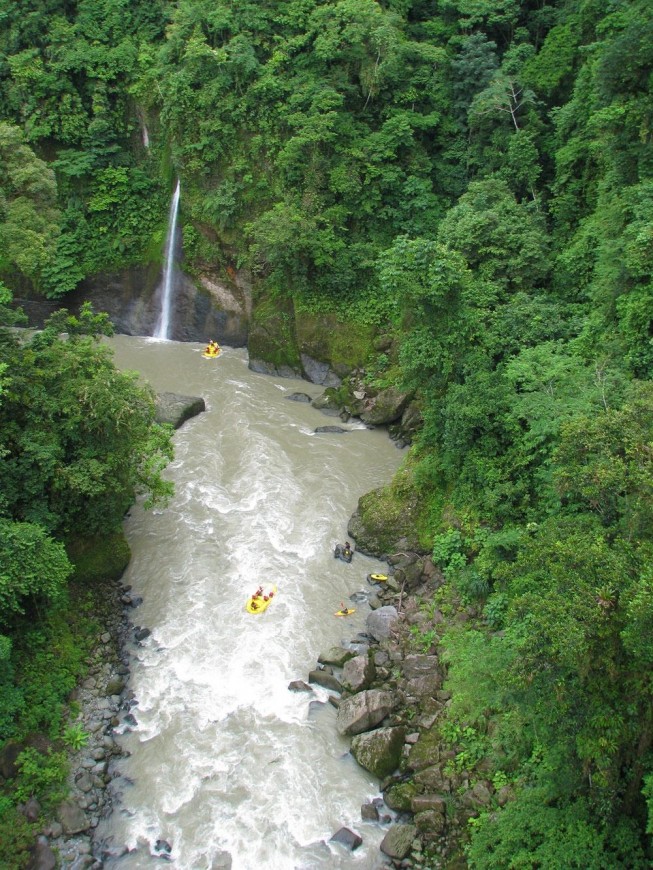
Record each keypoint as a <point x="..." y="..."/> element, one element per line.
<point x="344" y="344"/>
<point x="426" y="752"/>
<point x="391" y="513"/>
<point x="399" y="796"/>
<point x="100" y="558"/>
<point x="272" y="333"/>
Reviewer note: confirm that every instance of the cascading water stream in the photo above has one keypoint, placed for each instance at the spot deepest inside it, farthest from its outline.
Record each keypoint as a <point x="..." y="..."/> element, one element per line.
<point x="163" y="325"/>
<point x="226" y="764"/>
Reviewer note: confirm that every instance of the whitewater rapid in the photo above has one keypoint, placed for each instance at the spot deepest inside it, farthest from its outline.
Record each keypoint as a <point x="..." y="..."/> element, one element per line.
<point x="224" y="758"/>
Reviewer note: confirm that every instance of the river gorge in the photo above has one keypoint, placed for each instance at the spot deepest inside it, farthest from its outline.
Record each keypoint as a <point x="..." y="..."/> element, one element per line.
<point x="223" y="758"/>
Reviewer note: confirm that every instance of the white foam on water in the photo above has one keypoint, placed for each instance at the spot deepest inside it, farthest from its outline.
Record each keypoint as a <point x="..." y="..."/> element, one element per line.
<point x="224" y="756"/>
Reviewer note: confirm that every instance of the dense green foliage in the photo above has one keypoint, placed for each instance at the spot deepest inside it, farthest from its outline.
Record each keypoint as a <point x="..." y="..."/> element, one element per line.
<point x="473" y="177"/>
<point x="78" y="443"/>
<point x="65" y="77"/>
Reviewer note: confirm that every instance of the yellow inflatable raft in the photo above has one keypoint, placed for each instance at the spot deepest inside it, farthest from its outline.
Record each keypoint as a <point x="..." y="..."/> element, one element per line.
<point x="260" y="601"/>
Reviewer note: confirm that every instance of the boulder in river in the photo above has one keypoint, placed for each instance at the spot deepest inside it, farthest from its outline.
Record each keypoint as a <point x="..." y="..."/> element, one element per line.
<point x="379" y="623"/>
<point x="386" y="407"/>
<point x="72" y="818"/>
<point x="175" y="409"/>
<point x="347" y="838"/>
<point x="327" y="403"/>
<point x="336" y="656"/>
<point x="299" y="686"/>
<point x="358" y="673"/>
<point x="325" y="679"/>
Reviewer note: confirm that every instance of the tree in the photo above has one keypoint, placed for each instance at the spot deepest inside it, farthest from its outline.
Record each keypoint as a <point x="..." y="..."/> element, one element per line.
<point x="79" y="437"/>
<point x="34" y="568"/>
<point x="29" y="217"/>
<point x="472" y="70"/>
<point x="504" y="241"/>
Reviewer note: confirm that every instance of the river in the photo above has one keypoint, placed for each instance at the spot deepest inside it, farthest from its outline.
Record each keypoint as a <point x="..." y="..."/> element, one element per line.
<point x="224" y="758"/>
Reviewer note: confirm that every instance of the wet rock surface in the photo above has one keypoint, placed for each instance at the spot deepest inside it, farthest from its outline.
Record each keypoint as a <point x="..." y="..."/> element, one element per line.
<point x="175" y="409"/>
<point x="67" y="838"/>
<point x="390" y="701"/>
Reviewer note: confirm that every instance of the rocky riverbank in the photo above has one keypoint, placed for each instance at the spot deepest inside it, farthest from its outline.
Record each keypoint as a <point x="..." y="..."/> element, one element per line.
<point x="66" y="841"/>
<point x="387" y="686"/>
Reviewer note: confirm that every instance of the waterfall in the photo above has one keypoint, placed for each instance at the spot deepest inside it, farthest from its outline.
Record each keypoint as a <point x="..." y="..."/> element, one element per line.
<point x="163" y="324"/>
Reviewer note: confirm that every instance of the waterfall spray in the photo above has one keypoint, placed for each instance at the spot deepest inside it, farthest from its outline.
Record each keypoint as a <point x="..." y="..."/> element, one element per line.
<point x="163" y="324"/>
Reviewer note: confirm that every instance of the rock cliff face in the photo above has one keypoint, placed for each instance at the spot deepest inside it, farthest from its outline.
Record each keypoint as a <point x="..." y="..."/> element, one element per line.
<point x="222" y="305"/>
<point x="201" y="311"/>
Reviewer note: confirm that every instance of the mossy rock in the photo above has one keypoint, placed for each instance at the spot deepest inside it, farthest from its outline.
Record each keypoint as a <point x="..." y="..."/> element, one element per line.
<point x="426" y="752"/>
<point x="399" y="796"/>
<point x="272" y="334"/>
<point x="384" y="517"/>
<point x="379" y="751"/>
<point x="100" y="558"/>
<point x="343" y="344"/>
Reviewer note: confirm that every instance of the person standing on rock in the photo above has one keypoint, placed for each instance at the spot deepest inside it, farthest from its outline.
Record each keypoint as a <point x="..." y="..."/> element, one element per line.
<point x="345" y="553"/>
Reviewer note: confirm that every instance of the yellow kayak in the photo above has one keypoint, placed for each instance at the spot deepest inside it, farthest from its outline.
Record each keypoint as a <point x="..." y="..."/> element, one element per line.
<point x="211" y="355"/>
<point x="346" y="612"/>
<point x="377" y="578"/>
<point x="259" y="603"/>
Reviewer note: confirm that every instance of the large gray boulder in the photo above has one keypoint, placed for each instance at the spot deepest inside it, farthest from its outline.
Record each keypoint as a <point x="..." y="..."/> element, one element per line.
<point x="336" y="656"/>
<point x="379" y="751"/>
<point x="347" y="838"/>
<point x="319" y="372"/>
<point x="358" y="673"/>
<point x="379" y="623"/>
<point x="422" y="674"/>
<point x="324" y="679"/>
<point x="409" y="575"/>
<point x="364" y="711"/>
<point x="386" y="407"/>
<point x="398" y="841"/>
<point x="73" y="819"/>
<point x="175" y="409"/>
<point x="327" y="403"/>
